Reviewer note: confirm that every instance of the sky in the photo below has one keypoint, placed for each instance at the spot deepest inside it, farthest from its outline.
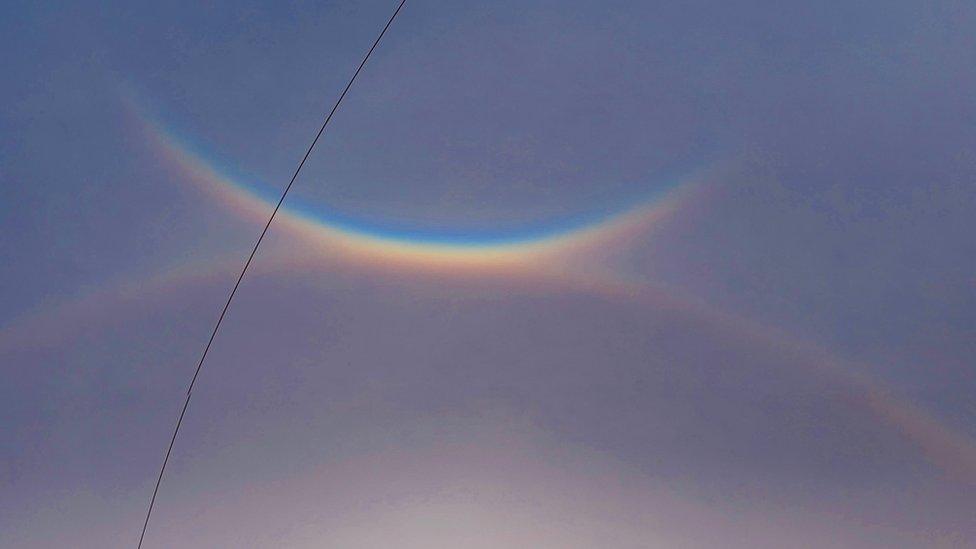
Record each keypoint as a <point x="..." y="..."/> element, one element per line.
<point x="558" y="274"/>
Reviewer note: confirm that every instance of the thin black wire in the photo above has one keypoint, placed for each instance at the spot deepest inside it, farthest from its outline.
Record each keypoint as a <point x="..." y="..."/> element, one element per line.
<point x="189" y="390"/>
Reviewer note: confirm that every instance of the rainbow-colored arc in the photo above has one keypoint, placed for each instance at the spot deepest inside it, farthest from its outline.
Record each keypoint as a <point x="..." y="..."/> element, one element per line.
<point x="532" y="249"/>
<point x="560" y="252"/>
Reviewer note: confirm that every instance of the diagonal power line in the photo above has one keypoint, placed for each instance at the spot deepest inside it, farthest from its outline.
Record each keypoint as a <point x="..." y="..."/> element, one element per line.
<point x="213" y="334"/>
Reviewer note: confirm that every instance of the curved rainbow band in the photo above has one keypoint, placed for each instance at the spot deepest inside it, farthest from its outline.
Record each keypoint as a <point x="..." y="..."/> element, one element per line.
<point x="532" y="249"/>
<point x="553" y="252"/>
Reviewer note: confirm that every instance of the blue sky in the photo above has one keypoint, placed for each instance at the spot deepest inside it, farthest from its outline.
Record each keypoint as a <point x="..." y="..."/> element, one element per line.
<point x="783" y="358"/>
